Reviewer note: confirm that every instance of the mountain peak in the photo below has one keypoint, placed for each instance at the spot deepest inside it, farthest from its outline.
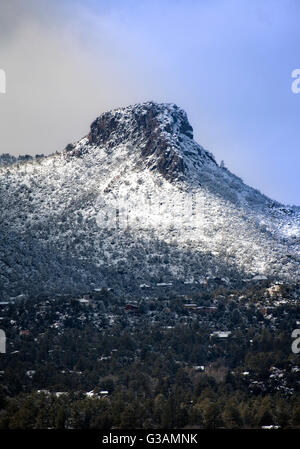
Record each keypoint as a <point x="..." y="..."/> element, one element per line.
<point x="135" y="202"/>
<point x="149" y="118"/>
<point x="160" y="134"/>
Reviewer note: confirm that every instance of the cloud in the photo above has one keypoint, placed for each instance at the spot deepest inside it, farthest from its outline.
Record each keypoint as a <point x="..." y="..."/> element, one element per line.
<point x="61" y="73"/>
<point x="226" y="62"/>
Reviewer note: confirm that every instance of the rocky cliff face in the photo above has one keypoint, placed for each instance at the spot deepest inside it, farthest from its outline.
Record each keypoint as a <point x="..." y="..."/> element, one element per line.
<point x="137" y="201"/>
<point x="155" y="131"/>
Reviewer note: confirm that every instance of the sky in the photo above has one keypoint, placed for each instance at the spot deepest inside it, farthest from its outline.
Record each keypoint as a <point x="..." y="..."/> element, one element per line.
<point x="228" y="63"/>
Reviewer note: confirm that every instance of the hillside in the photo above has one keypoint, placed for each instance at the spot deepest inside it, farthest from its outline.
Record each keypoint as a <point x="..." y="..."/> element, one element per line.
<point x="136" y="203"/>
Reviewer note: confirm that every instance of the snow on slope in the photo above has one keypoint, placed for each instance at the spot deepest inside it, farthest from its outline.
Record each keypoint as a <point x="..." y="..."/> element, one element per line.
<point x="137" y="201"/>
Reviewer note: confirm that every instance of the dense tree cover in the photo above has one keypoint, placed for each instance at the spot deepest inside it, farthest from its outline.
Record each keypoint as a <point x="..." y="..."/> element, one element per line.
<point x="150" y="364"/>
<point x="208" y="406"/>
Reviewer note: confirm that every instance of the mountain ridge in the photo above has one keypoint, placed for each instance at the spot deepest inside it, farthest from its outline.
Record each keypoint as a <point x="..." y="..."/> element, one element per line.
<point x="137" y="201"/>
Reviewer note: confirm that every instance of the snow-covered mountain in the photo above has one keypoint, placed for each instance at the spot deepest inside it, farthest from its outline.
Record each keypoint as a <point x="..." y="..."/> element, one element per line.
<point x="135" y="203"/>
